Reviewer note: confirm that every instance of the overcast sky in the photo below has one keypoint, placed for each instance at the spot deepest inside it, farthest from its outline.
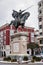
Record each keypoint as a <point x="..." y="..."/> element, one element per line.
<point x="6" y="7"/>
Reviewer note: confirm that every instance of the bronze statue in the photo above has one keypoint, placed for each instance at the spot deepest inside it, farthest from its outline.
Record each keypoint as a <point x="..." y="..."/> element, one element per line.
<point x="19" y="18"/>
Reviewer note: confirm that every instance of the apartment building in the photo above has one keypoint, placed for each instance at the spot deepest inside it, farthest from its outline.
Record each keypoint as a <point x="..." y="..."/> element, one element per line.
<point x="40" y="17"/>
<point x="36" y="34"/>
<point x="5" y="33"/>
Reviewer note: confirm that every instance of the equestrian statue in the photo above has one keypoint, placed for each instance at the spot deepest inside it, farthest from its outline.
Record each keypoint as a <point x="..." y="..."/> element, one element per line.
<point x="19" y="18"/>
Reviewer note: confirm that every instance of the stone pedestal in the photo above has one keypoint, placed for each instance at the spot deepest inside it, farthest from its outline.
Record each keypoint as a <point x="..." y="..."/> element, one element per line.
<point x="19" y="44"/>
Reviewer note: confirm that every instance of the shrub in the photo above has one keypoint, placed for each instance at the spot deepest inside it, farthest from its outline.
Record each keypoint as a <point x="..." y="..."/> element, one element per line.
<point x="25" y="58"/>
<point x="7" y="58"/>
<point x="36" y="58"/>
<point x="13" y="60"/>
<point x="32" y="60"/>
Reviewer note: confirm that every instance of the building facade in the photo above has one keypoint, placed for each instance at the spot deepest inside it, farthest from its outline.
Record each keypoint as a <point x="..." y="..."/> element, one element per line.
<point x="36" y="34"/>
<point x="5" y="32"/>
<point x="40" y="17"/>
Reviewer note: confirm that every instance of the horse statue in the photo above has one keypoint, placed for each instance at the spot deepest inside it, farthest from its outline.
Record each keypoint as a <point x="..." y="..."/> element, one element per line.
<point x="19" y="18"/>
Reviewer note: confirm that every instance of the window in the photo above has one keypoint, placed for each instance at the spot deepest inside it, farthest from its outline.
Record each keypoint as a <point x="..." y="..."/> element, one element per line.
<point x="1" y="40"/>
<point x="10" y="52"/>
<point x="42" y="2"/>
<point x="39" y="4"/>
<point x="2" y="47"/>
<point x="40" y="19"/>
<point x="40" y="26"/>
<point x="40" y="11"/>
<point x="32" y="39"/>
<point x="41" y="41"/>
<point x="4" y="31"/>
<point x="40" y="33"/>
<point x="32" y="34"/>
<point x="11" y="32"/>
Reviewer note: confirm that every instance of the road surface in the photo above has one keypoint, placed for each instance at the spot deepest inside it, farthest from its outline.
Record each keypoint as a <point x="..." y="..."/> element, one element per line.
<point x="21" y="64"/>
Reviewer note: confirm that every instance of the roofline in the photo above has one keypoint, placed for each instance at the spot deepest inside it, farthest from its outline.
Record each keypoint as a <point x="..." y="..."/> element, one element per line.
<point x="4" y="26"/>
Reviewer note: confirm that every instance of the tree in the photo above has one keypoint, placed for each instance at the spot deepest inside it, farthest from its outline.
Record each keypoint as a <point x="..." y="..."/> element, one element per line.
<point x="32" y="46"/>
